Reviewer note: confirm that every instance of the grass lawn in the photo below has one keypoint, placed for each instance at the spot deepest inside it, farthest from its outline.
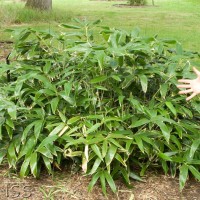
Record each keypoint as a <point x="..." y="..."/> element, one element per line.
<point x="177" y="19"/>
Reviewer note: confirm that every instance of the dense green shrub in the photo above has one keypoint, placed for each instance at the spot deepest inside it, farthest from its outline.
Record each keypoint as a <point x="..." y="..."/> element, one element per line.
<point x="110" y="105"/>
<point x="137" y="2"/>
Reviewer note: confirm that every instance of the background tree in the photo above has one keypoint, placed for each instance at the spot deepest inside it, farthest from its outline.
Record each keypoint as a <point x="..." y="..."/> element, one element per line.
<point x="39" y="4"/>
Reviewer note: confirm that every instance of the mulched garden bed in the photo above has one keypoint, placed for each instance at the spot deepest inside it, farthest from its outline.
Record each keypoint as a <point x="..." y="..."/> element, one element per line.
<point x="66" y="185"/>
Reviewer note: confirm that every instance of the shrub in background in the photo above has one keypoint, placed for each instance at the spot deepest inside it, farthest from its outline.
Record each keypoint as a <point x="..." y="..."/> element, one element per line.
<point x="108" y="104"/>
<point x="137" y="2"/>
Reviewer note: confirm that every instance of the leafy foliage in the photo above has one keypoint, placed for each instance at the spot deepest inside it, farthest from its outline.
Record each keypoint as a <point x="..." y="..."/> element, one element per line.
<point x="107" y="104"/>
<point x="137" y="2"/>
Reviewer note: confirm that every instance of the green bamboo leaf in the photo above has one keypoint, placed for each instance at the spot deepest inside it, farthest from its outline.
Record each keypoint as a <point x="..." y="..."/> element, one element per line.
<point x="110" y="181"/>
<point x="111" y="154"/>
<point x="97" y="151"/>
<point x="140" y="122"/>
<point x="45" y="151"/>
<point x="70" y="26"/>
<point x="171" y="107"/>
<point x="54" y="104"/>
<point x="38" y="128"/>
<point x="195" y="172"/>
<point x="11" y="151"/>
<point x="165" y="166"/>
<point x="164" y="89"/>
<point x="95" y="117"/>
<point x="194" y="162"/>
<point x="48" y="140"/>
<point x="164" y="156"/>
<point x="194" y="147"/>
<point x="26" y="131"/>
<point x="96" y="140"/>
<point x="46" y="92"/>
<point x="62" y="116"/>
<point x="169" y="41"/>
<point x="73" y="120"/>
<point x="24" y="167"/>
<point x="136" y="104"/>
<point x="68" y="99"/>
<point x="47" y="67"/>
<point x="149" y="141"/>
<point x="116" y="135"/>
<point x="10" y="123"/>
<point x="96" y="22"/>
<point x="104" y="148"/>
<point x="99" y="87"/>
<point x="139" y="142"/>
<point x="57" y="129"/>
<point x="119" y="158"/>
<point x="47" y="163"/>
<point x="27" y="147"/>
<point x="68" y="88"/>
<point x="46" y="82"/>
<point x="9" y="131"/>
<point x="136" y="177"/>
<point x="125" y="175"/>
<point x="117" y="78"/>
<point x="103" y="182"/>
<point x="2" y="155"/>
<point x="95" y="177"/>
<point x="71" y="131"/>
<point x="108" y="119"/>
<point x="164" y="129"/>
<point x="144" y="82"/>
<point x="33" y="164"/>
<point x="93" y="128"/>
<point x="113" y="141"/>
<point x="98" y="79"/>
<point x="24" y="35"/>
<point x="127" y="81"/>
<point x="183" y="176"/>
<point x="187" y="111"/>
<point x="100" y="57"/>
<point x="179" y="48"/>
<point x="12" y="111"/>
<point x="176" y="141"/>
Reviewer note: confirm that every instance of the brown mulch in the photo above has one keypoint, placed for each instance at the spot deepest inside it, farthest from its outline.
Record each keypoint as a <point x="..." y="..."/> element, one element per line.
<point x="68" y="186"/>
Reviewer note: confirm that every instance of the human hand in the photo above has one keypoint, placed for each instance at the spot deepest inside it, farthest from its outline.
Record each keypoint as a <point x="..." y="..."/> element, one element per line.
<point x="191" y="86"/>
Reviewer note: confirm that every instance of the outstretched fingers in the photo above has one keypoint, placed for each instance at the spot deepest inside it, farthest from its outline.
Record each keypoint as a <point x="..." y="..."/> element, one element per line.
<point x="186" y="91"/>
<point x="184" y="86"/>
<point x="184" y="81"/>
<point x="191" y="96"/>
<point x="197" y="72"/>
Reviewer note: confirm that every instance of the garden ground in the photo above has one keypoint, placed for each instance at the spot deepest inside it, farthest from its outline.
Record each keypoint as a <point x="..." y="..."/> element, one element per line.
<point x="66" y="185"/>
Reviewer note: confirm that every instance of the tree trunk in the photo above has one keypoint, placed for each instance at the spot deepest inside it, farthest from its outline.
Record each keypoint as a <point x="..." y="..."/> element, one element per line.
<point x="39" y="4"/>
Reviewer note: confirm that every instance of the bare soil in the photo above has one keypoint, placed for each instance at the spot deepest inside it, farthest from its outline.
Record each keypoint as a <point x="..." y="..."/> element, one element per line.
<point x="5" y="48"/>
<point x="65" y="185"/>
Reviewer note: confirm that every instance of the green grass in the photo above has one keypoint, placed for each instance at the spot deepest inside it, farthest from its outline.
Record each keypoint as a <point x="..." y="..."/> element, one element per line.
<point x="177" y="19"/>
